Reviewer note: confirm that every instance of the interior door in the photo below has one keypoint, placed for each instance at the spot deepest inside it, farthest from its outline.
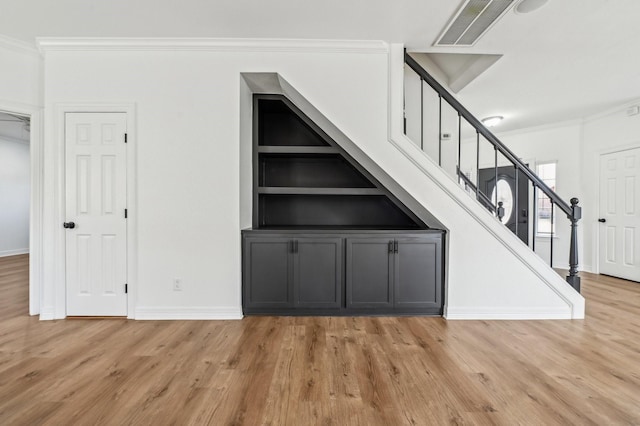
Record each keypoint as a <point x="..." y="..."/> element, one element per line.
<point x="619" y="215"/>
<point x="515" y="210"/>
<point x="96" y="227"/>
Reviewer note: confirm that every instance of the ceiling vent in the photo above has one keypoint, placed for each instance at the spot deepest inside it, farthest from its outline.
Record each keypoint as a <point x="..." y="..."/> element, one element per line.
<point x="473" y="19"/>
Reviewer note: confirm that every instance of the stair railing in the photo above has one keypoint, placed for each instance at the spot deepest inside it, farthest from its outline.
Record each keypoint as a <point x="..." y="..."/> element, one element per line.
<point x="571" y="209"/>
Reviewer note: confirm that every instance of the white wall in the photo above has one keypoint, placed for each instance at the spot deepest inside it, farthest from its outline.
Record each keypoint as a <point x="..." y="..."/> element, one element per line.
<point x="14" y="197"/>
<point x="188" y="103"/>
<point x="20" y="82"/>
<point x="188" y="126"/>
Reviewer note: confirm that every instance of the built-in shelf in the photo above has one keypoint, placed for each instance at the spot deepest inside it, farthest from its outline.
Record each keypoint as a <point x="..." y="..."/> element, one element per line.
<point x="298" y="150"/>
<point x="302" y="178"/>
<point x="318" y="191"/>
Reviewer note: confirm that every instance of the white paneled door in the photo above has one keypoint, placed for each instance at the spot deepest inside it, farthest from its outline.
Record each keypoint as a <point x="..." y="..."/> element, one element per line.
<point x="96" y="227"/>
<point x="619" y="214"/>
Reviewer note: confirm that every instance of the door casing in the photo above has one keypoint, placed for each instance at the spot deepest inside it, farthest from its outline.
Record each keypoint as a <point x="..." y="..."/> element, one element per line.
<point x="599" y="198"/>
<point x="54" y="300"/>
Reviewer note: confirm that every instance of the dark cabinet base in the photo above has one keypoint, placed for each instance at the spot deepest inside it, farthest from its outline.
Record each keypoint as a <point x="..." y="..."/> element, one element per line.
<point x="344" y="312"/>
<point x="345" y="273"/>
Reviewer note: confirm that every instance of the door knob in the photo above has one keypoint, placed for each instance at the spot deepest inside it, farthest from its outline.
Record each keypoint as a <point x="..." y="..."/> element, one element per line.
<point x="602" y="220"/>
<point x="69" y="225"/>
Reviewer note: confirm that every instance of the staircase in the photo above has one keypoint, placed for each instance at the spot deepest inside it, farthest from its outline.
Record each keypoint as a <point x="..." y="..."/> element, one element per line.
<point x="479" y="161"/>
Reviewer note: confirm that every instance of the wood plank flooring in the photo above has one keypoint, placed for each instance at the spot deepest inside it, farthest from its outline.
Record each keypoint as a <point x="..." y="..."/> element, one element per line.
<point x="321" y="371"/>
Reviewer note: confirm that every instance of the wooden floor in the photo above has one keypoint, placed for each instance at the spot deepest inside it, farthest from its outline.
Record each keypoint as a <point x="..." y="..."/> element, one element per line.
<point x="325" y="371"/>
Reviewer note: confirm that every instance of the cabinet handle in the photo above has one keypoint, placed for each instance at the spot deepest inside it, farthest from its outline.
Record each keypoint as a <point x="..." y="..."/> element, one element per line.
<point x="395" y="246"/>
<point x="390" y="246"/>
<point x="295" y="246"/>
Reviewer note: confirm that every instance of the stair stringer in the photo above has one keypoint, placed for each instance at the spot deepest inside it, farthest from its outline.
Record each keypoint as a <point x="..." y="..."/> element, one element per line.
<point x="520" y="285"/>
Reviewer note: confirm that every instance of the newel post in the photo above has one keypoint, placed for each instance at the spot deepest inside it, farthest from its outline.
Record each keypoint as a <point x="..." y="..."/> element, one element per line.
<point x="500" y="210"/>
<point x="576" y="214"/>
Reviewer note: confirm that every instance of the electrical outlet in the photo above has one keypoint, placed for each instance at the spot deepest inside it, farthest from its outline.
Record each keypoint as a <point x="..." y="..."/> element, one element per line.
<point x="177" y="284"/>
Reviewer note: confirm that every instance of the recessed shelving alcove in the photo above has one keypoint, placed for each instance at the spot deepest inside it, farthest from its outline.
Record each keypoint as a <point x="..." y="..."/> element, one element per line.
<point x="328" y="238"/>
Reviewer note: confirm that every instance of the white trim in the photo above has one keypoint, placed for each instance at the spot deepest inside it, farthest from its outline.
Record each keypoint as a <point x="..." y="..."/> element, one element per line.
<point x="46" y="314"/>
<point x="619" y="148"/>
<point x="598" y="159"/>
<point x="15" y="252"/>
<point x="57" y="285"/>
<point x="501" y="313"/>
<point x="188" y="313"/>
<point x="540" y="128"/>
<point x="18" y="46"/>
<point x="580" y="122"/>
<point x="48" y="44"/>
<point x="611" y="111"/>
<point x="36" y="199"/>
<point x="424" y="163"/>
<point x="13" y="140"/>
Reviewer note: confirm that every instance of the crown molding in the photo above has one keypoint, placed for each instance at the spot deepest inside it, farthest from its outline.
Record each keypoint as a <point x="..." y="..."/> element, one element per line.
<point x="49" y="44"/>
<point x="18" y="46"/>
<point x="612" y="110"/>
<point x="541" y="127"/>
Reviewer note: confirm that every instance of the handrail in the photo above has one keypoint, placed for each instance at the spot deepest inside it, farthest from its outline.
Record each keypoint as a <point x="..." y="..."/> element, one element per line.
<point x="573" y="211"/>
<point x="485" y="200"/>
<point x="480" y="128"/>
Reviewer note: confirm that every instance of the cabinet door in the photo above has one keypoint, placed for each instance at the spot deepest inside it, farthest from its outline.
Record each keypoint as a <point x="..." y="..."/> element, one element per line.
<point x="267" y="272"/>
<point x="418" y="273"/>
<point x="369" y="272"/>
<point x="318" y="272"/>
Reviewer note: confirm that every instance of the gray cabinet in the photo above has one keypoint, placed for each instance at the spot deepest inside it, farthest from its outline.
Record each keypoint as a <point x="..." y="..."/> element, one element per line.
<point x="292" y="272"/>
<point x="267" y="273"/>
<point x="418" y="273"/>
<point x="317" y="272"/>
<point x="403" y="273"/>
<point x="286" y="272"/>
<point x="369" y="273"/>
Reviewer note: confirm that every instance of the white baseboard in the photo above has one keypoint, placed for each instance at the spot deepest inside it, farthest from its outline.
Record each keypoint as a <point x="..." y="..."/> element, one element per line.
<point x="587" y="268"/>
<point x="47" y="314"/>
<point x="188" y="313"/>
<point x="14" y="252"/>
<point x="524" y="313"/>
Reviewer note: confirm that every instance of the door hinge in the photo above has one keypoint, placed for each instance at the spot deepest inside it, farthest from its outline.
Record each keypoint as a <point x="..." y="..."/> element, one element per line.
<point x="126" y="288"/>
<point x="125" y="213"/>
<point x="125" y="138"/>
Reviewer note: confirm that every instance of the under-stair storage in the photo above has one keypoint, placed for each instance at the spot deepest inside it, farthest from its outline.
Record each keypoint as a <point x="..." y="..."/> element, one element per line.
<point x="314" y="208"/>
<point x="302" y="179"/>
<point x="399" y="271"/>
<point x="342" y="273"/>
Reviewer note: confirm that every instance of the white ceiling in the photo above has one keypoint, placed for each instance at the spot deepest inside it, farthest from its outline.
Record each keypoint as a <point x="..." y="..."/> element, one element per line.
<point x="567" y="60"/>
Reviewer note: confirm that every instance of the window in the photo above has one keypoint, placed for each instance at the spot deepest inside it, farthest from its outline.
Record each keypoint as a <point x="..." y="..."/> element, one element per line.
<point x="544" y="227"/>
